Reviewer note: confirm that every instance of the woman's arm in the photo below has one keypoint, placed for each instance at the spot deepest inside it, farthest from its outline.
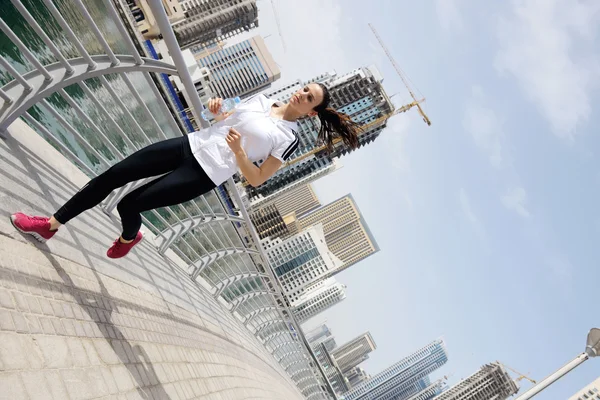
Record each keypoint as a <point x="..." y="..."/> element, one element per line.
<point x="255" y="176"/>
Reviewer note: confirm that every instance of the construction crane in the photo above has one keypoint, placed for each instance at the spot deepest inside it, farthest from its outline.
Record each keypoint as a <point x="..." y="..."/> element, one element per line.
<point x="276" y="15"/>
<point x="520" y="376"/>
<point x="401" y="75"/>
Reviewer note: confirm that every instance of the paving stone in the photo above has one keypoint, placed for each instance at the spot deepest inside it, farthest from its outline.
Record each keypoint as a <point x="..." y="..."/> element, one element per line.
<point x="55" y="384"/>
<point x="55" y="352"/>
<point x="11" y="386"/>
<point x="35" y="384"/>
<point x="12" y="347"/>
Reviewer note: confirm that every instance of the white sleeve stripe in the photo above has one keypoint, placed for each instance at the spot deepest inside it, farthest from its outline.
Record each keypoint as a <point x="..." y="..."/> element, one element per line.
<point x="291" y="149"/>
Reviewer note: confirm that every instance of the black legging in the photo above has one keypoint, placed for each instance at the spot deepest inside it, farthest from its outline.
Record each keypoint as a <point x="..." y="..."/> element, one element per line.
<point x="184" y="180"/>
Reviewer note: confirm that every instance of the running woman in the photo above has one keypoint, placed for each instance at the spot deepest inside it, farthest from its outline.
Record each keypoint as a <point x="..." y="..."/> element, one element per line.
<point x="258" y="129"/>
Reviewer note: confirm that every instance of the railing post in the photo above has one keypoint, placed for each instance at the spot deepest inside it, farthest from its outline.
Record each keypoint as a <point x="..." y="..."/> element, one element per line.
<point x="175" y="52"/>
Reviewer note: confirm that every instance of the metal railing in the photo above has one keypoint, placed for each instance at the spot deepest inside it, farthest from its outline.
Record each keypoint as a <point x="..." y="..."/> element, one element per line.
<point x="218" y="242"/>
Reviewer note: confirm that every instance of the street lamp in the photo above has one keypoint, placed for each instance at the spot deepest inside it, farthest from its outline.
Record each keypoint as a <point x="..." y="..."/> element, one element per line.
<point x="592" y="349"/>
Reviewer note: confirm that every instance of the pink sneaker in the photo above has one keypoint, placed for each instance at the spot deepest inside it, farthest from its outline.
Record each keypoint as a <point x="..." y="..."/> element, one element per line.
<point x="119" y="249"/>
<point x="38" y="227"/>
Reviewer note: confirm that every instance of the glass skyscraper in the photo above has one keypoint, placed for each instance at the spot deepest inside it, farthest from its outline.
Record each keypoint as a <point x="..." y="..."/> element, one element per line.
<point x="403" y="379"/>
<point x="207" y="21"/>
<point x="242" y="69"/>
<point x="301" y="261"/>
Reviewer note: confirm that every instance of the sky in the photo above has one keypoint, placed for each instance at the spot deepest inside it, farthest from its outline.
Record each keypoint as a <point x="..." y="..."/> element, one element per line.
<point x="487" y="220"/>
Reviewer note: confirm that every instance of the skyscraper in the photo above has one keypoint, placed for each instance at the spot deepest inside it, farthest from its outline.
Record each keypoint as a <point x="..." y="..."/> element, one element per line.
<point x="360" y="94"/>
<point x="279" y="218"/>
<point x="268" y="222"/>
<point x="430" y="390"/>
<point x="144" y="18"/>
<point x="299" y="200"/>
<point x="329" y="343"/>
<point x="590" y="392"/>
<point x="346" y="232"/>
<point x="356" y="376"/>
<point x="491" y="382"/>
<point x="210" y="20"/>
<point x="315" y="301"/>
<point x="352" y="353"/>
<point x="402" y="380"/>
<point x="300" y="261"/>
<point x="241" y="69"/>
<point x="328" y="364"/>
<point x="318" y="334"/>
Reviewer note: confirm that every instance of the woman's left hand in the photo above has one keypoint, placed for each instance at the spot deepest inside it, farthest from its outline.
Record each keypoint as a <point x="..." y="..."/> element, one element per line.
<point x="234" y="140"/>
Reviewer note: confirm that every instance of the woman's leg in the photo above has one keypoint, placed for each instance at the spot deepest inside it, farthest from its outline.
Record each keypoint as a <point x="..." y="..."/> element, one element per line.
<point x="156" y="159"/>
<point x="185" y="183"/>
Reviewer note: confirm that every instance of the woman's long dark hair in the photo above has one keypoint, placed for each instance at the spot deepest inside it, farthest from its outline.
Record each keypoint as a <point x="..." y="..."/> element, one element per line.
<point x="335" y="124"/>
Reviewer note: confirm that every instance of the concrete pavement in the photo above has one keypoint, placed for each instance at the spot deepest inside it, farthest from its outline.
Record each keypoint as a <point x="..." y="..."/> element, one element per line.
<point x="77" y="325"/>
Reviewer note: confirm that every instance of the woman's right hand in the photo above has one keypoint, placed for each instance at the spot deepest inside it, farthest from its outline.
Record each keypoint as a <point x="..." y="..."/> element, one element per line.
<point x="214" y="105"/>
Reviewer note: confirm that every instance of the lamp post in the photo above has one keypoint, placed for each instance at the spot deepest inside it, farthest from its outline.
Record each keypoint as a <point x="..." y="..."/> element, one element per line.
<point x="592" y="349"/>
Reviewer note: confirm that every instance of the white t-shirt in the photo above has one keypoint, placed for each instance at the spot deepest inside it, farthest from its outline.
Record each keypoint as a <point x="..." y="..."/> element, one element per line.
<point x="262" y="136"/>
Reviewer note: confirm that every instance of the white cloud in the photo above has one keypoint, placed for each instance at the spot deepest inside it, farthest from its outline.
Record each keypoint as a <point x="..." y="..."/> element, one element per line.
<point x="516" y="200"/>
<point x="548" y="45"/>
<point x="465" y="204"/>
<point x="485" y="128"/>
<point x="449" y="14"/>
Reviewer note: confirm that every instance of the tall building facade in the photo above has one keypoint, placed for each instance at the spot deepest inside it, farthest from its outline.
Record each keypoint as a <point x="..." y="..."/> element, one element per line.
<point x="346" y="232"/>
<point x="314" y="302"/>
<point x="318" y="334"/>
<point x="430" y="390"/>
<point x="332" y="371"/>
<point x="299" y="200"/>
<point x="329" y="343"/>
<point x="590" y="392"/>
<point x="491" y="382"/>
<point x="144" y="17"/>
<point x="300" y="261"/>
<point x="356" y="376"/>
<point x="241" y="69"/>
<point x="403" y="379"/>
<point x="279" y="218"/>
<point x="268" y="222"/>
<point x="352" y="353"/>
<point x="360" y="94"/>
<point x="207" y="21"/>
